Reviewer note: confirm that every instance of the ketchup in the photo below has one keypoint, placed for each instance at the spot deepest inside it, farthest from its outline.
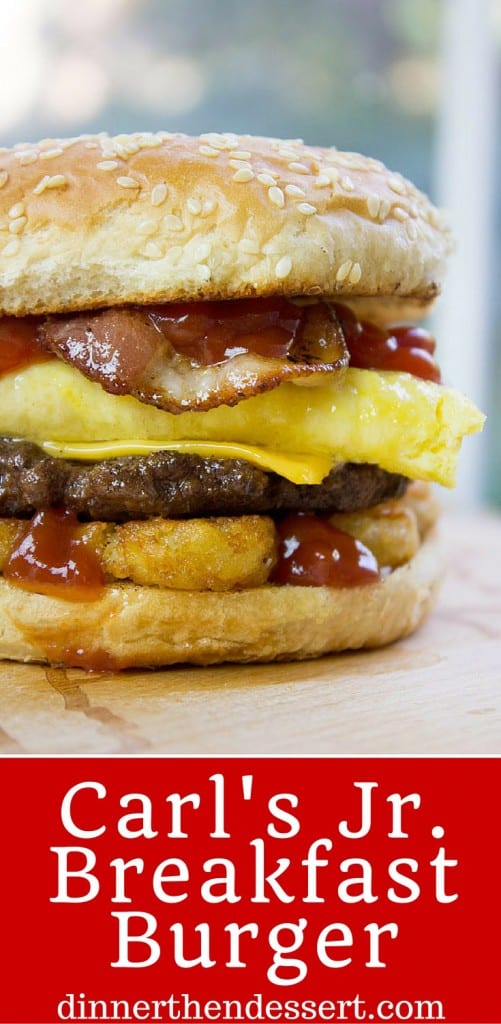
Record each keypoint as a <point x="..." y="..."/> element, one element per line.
<point x="95" y="662"/>
<point x="210" y="332"/>
<point x="51" y="559"/>
<point x="404" y="348"/>
<point x="313" y="553"/>
<point x="18" y="343"/>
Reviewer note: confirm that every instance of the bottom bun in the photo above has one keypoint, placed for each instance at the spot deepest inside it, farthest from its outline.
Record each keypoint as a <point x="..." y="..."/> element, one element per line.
<point x="133" y="626"/>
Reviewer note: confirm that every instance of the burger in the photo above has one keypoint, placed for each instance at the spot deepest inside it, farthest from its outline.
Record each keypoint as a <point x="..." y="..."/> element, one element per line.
<point x="219" y="417"/>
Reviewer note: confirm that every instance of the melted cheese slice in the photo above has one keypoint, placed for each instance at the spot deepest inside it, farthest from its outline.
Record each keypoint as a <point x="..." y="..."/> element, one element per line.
<point x="402" y="423"/>
<point x="301" y="469"/>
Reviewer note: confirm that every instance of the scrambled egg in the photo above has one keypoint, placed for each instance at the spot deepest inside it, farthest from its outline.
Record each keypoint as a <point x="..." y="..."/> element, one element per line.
<point x="400" y="422"/>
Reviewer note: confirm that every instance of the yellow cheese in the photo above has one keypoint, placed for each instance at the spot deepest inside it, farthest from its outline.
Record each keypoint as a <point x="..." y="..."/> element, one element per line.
<point x="402" y="423"/>
<point x="301" y="469"/>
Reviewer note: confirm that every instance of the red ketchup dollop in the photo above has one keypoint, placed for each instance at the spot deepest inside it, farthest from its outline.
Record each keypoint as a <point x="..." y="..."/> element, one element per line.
<point x="403" y="348"/>
<point x="50" y="558"/>
<point x="18" y="343"/>
<point x="313" y="553"/>
<point x="210" y="332"/>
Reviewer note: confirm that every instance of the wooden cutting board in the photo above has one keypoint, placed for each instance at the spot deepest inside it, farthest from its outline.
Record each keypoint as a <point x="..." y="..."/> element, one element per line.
<point x="437" y="692"/>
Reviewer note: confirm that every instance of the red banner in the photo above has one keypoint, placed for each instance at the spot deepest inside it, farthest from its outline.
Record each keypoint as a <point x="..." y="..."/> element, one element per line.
<point x="322" y="889"/>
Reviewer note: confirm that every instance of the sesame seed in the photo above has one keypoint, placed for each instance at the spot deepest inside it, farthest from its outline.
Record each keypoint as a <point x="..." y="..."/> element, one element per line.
<point x="237" y="164"/>
<point x="218" y="141"/>
<point x="294" y="190"/>
<point x="17" y="210"/>
<point x="321" y="180"/>
<point x="91" y="145"/>
<point x="266" y="179"/>
<point x="17" y="225"/>
<point x="126" y="182"/>
<point x="247" y="245"/>
<point x="347" y="183"/>
<point x="207" y="151"/>
<point x="354" y="164"/>
<point x="412" y="230"/>
<point x="375" y="165"/>
<point x="146" y="227"/>
<point x="194" y="206"/>
<point x="434" y="217"/>
<point x="49" y="154"/>
<point x="333" y="173"/>
<point x="373" y="204"/>
<point x="172" y="222"/>
<point x="344" y="270"/>
<point x="214" y="138"/>
<point x="384" y="209"/>
<point x="276" y="195"/>
<point x="158" y="194"/>
<point x="12" y="247"/>
<point x="355" y="274"/>
<point x="241" y="154"/>
<point x="208" y="207"/>
<point x="48" y="181"/>
<point x="400" y="213"/>
<point x="57" y="181"/>
<point x="298" y="168"/>
<point x="152" y="251"/>
<point x="244" y="174"/>
<point x="107" y="165"/>
<point x="343" y="159"/>
<point x="396" y="185"/>
<point x="306" y="208"/>
<point x="41" y="186"/>
<point x="283" y="267"/>
<point x="288" y="154"/>
<point x="27" y="156"/>
<point x="151" y="141"/>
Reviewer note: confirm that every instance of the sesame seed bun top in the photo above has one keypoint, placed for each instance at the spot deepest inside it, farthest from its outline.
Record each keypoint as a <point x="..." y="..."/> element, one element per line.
<point x="99" y="221"/>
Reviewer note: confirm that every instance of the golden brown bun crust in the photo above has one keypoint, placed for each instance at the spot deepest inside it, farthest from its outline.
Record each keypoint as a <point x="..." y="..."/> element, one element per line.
<point x="99" y="221"/>
<point x="143" y="626"/>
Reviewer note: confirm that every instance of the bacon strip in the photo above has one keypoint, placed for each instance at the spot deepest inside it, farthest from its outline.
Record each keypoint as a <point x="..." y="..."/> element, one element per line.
<point x="125" y="350"/>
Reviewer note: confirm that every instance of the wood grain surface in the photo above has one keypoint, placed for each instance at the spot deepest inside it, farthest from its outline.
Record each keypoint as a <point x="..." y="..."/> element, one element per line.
<point x="437" y="692"/>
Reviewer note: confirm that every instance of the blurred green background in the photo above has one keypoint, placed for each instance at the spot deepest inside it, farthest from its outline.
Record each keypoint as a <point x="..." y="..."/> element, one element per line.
<point x="360" y="74"/>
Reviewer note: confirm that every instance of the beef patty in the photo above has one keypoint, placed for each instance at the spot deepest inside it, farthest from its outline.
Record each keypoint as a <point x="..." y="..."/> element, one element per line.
<point x="171" y="484"/>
